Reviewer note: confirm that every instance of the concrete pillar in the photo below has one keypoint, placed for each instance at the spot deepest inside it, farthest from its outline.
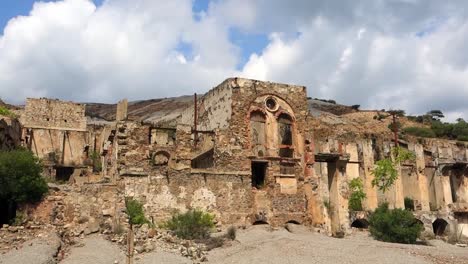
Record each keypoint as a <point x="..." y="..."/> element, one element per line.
<point x="443" y="191"/>
<point x="352" y="168"/>
<point x="421" y="177"/>
<point x="122" y="108"/>
<point x="371" y="201"/>
<point x="342" y="193"/>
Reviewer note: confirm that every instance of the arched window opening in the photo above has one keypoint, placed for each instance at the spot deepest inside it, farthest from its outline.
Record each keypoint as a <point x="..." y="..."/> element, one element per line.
<point x="257" y="133"/>
<point x="439" y="226"/>
<point x="260" y="223"/>
<point x="161" y="158"/>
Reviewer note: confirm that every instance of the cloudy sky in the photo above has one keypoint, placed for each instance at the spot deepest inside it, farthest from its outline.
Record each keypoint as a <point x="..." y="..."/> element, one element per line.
<point x="409" y="54"/>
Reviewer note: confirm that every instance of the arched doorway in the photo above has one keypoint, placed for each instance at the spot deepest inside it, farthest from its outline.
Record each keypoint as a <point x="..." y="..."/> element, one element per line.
<point x="439" y="226"/>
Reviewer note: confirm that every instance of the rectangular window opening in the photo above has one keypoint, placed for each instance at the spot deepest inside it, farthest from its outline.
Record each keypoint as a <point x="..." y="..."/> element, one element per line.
<point x="259" y="170"/>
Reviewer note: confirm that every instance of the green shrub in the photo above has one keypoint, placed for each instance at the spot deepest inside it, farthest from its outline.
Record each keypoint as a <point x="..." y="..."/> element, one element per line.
<point x="357" y="194"/>
<point x="462" y="137"/>
<point x="6" y="112"/>
<point x="96" y="158"/>
<point x="419" y="132"/>
<point x="20" y="177"/>
<point x="134" y="210"/>
<point x="194" y="224"/>
<point x="385" y="171"/>
<point x="396" y="226"/>
<point x="409" y="203"/>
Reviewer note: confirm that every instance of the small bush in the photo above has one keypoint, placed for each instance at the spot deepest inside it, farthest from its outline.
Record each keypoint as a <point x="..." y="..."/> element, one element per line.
<point x="194" y="224"/>
<point x="134" y="210"/>
<point x="409" y="204"/>
<point x="462" y="138"/>
<point x="231" y="232"/>
<point x="357" y="194"/>
<point x="419" y="132"/>
<point x="396" y="226"/>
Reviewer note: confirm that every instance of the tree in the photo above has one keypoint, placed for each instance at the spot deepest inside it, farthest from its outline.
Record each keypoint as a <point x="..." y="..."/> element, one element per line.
<point x="385" y="171"/>
<point x="435" y="114"/>
<point x="136" y="216"/>
<point x="20" y="178"/>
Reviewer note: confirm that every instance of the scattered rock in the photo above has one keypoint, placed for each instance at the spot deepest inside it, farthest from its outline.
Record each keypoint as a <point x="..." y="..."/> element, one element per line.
<point x="107" y="212"/>
<point x="92" y="227"/>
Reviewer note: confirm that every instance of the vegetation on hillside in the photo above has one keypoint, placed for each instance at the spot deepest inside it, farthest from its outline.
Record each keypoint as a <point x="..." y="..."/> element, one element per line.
<point x="6" y="112"/>
<point x="437" y="128"/>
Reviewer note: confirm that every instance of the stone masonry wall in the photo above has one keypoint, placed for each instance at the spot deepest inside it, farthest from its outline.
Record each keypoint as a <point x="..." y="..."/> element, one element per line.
<point x="53" y="114"/>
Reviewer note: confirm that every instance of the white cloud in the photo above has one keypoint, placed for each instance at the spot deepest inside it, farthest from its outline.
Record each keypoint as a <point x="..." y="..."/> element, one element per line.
<point x="74" y="50"/>
<point x="380" y="54"/>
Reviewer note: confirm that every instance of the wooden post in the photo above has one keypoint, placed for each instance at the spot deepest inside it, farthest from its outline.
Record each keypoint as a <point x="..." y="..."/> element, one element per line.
<point x="130" y="244"/>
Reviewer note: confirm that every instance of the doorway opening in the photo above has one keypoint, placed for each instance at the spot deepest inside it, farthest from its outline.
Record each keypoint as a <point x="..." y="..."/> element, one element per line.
<point x="259" y="169"/>
<point x="63" y="174"/>
<point x="7" y="211"/>
<point x="439" y="227"/>
<point x="360" y="223"/>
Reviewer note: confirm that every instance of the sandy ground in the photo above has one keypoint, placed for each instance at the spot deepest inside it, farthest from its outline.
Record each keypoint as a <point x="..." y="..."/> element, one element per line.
<point x="258" y="244"/>
<point x="40" y="250"/>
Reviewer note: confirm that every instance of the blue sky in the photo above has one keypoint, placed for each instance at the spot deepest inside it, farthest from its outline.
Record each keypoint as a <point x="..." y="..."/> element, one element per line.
<point x="13" y="8"/>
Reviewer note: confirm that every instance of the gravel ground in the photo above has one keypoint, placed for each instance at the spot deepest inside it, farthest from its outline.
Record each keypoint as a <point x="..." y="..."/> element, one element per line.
<point x="257" y="244"/>
<point x="260" y="245"/>
<point x="95" y="250"/>
<point x="40" y="250"/>
<point x="161" y="257"/>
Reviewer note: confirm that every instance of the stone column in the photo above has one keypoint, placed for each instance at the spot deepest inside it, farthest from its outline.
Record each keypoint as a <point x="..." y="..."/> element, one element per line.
<point x="421" y="177"/>
<point x="371" y="201"/>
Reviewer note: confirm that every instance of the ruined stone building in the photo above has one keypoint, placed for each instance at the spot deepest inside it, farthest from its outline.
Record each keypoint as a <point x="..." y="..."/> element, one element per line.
<point x="250" y="152"/>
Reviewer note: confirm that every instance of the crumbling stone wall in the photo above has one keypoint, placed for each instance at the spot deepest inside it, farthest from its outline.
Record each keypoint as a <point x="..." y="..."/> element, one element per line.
<point x="210" y="165"/>
<point x="53" y="114"/>
<point x="10" y="133"/>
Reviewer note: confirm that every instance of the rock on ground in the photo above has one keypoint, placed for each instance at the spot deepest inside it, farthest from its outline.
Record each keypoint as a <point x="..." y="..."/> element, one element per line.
<point x="41" y="250"/>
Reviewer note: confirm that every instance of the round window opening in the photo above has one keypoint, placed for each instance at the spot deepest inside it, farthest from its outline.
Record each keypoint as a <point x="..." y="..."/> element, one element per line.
<point x="271" y="104"/>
